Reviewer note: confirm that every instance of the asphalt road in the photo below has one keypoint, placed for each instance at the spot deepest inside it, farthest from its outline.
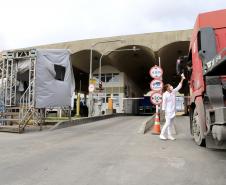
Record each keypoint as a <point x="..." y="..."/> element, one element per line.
<point x="108" y="152"/>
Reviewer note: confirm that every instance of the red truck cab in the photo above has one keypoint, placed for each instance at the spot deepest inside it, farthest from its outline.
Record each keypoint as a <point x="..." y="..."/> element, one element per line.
<point x="206" y="72"/>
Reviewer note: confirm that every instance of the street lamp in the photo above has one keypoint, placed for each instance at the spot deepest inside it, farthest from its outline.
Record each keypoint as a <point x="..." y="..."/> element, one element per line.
<point x="91" y="53"/>
<point x="78" y="96"/>
<point x="91" y="69"/>
<point x="111" y="51"/>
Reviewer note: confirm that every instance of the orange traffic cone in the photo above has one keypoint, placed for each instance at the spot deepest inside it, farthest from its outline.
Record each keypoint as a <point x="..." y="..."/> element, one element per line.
<point x="156" y="127"/>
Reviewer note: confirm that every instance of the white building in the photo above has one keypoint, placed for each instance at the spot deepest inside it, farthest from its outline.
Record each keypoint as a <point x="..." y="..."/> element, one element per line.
<point x="118" y="86"/>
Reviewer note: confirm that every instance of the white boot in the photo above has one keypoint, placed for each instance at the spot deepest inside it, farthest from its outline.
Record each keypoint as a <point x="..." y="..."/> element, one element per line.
<point x="162" y="137"/>
<point x="171" y="138"/>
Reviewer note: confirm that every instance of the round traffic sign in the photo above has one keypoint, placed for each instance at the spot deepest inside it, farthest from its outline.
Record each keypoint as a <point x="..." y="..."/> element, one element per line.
<point x="91" y="87"/>
<point x="156" y="98"/>
<point x="156" y="85"/>
<point x="156" y="72"/>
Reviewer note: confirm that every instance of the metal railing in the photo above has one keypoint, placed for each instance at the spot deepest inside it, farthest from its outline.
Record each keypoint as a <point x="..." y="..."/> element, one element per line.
<point x="26" y="103"/>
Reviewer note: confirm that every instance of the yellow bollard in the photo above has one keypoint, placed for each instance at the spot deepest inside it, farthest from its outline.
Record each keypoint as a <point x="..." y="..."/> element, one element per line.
<point x="110" y="104"/>
<point x="78" y="105"/>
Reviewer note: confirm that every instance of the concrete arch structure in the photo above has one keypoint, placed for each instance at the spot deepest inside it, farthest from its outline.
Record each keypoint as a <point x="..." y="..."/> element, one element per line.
<point x="81" y="59"/>
<point x="155" y="41"/>
<point x="135" y="64"/>
<point x="168" y="45"/>
<point x="169" y="55"/>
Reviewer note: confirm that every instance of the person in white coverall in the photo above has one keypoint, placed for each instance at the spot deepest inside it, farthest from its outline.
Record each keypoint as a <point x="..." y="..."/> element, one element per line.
<point x="169" y="106"/>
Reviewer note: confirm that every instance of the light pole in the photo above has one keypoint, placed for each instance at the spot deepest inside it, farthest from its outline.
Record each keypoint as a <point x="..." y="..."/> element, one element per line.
<point x="78" y="96"/>
<point x="91" y="69"/>
<point x="111" y="51"/>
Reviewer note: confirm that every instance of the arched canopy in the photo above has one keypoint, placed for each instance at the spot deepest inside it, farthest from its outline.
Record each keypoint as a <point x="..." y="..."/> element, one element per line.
<point x="135" y="64"/>
<point x="169" y="55"/>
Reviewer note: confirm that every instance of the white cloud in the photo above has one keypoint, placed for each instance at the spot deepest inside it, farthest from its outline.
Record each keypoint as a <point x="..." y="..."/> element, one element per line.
<point x="28" y="23"/>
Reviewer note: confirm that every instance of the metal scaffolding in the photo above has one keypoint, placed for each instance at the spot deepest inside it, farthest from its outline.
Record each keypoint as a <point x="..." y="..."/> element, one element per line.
<point x="14" y="107"/>
<point x="19" y="105"/>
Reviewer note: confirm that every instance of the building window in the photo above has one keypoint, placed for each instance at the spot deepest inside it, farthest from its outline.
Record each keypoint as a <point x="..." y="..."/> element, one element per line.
<point x="199" y="41"/>
<point x="103" y="78"/>
<point x="116" y="99"/>
<point x="60" y="72"/>
<point x="115" y="77"/>
<point x="109" y="77"/>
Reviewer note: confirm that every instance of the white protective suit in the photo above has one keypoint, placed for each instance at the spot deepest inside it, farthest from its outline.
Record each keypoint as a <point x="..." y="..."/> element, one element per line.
<point x="169" y="106"/>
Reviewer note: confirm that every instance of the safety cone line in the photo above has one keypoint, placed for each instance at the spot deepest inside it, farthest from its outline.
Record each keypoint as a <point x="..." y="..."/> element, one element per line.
<point x="156" y="127"/>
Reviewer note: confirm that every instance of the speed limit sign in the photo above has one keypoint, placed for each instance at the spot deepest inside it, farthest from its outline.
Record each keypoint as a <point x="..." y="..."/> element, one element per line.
<point x="156" y="72"/>
<point x="156" y="98"/>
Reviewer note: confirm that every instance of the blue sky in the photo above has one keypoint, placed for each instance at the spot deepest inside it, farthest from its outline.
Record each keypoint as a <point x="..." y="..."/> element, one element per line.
<point x="28" y="23"/>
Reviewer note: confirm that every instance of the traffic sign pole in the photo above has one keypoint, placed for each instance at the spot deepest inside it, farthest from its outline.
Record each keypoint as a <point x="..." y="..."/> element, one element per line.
<point x="156" y="98"/>
<point x="156" y="86"/>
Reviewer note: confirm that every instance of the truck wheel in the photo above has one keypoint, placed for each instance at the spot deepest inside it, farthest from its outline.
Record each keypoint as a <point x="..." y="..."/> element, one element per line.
<point x="197" y="129"/>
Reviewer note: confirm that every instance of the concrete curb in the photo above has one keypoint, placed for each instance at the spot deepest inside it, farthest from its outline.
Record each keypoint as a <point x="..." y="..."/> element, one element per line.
<point x="146" y="125"/>
<point x="65" y="124"/>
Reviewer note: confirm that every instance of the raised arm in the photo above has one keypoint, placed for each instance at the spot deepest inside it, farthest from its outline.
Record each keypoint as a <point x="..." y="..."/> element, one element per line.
<point x="180" y="84"/>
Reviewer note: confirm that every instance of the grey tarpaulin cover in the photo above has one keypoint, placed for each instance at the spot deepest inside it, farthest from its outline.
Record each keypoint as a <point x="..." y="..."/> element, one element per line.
<point x="54" y="83"/>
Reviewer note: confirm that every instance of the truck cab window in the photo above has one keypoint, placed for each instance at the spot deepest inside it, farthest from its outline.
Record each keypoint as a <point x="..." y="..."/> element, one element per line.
<point x="199" y="41"/>
<point x="206" y="44"/>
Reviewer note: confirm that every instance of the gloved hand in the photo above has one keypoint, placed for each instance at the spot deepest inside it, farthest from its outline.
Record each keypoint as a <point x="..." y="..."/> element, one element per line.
<point x="182" y="76"/>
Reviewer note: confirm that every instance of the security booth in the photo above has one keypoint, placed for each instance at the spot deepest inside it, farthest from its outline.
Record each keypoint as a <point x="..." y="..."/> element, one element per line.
<point x="31" y="81"/>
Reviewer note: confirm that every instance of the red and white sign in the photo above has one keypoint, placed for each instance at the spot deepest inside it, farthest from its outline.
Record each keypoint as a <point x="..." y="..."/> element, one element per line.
<point x="156" y="98"/>
<point x="91" y="87"/>
<point x="156" y="85"/>
<point x="156" y="72"/>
